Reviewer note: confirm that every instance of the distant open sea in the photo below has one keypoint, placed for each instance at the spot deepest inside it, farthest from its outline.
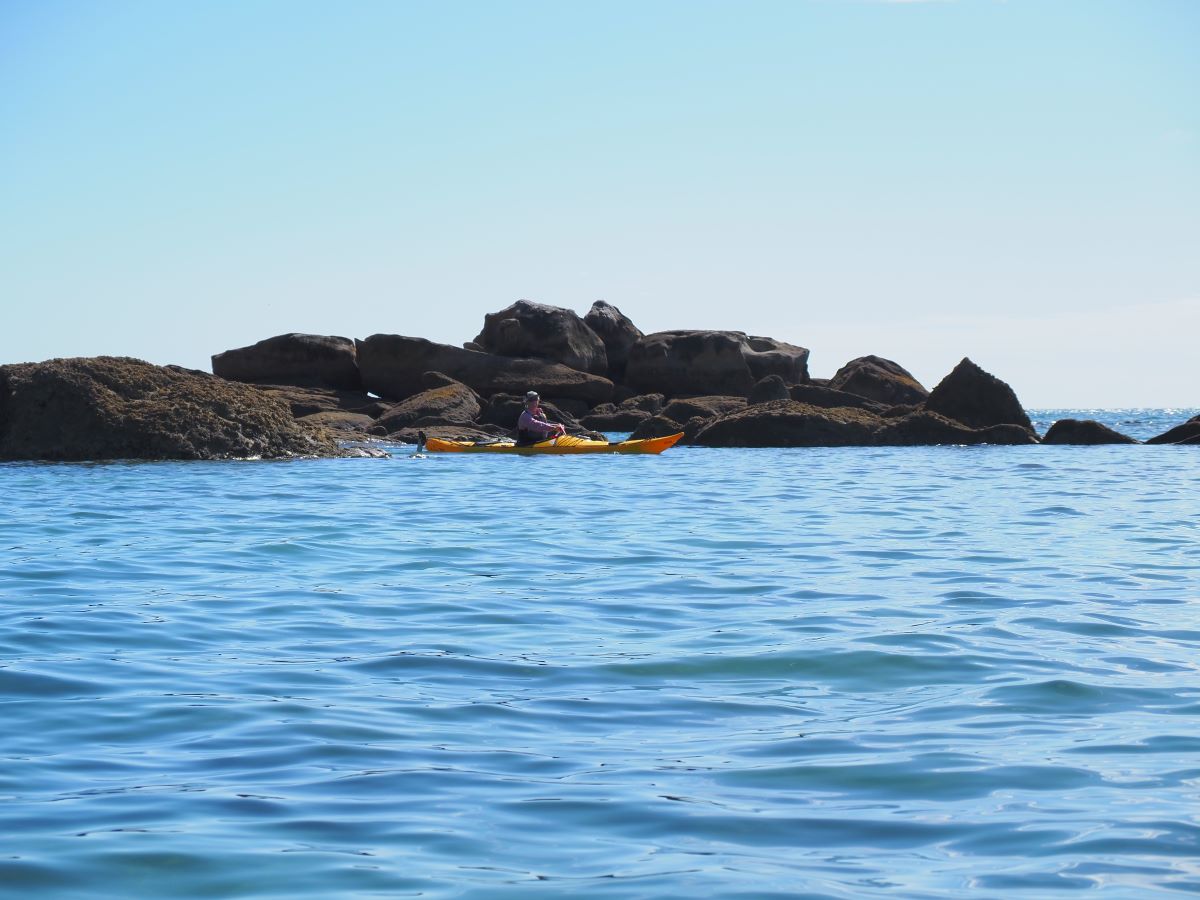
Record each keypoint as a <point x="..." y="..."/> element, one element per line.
<point x="857" y="672"/>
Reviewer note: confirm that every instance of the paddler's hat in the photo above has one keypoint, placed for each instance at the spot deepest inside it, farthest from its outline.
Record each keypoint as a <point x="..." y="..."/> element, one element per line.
<point x="531" y="395"/>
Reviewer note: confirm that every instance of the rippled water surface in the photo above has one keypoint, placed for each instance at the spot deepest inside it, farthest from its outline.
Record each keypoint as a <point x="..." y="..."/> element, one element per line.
<point x="908" y="672"/>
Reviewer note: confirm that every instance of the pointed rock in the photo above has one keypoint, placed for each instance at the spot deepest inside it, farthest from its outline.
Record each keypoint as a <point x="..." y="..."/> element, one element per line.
<point x="977" y="399"/>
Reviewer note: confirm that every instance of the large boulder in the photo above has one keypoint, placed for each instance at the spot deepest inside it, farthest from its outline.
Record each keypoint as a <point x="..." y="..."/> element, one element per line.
<point x="299" y="359"/>
<point x="766" y="356"/>
<point x="617" y="333"/>
<point x="1083" y="431"/>
<point x="528" y="329"/>
<point x="117" y="408"/>
<point x="878" y="379"/>
<point x="392" y="365"/>
<point x="690" y="363"/>
<point x="449" y="404"/>
<point x="977" y="399"/>
<point x="1187" y="433"/>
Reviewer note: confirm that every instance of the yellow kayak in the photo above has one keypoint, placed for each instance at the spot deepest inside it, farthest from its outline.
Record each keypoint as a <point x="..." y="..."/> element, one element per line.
<point x="567" y="444"/>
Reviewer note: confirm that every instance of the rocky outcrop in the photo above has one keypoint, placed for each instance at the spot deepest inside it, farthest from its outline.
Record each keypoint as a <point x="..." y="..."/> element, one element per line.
<point x="767" y="356"/>
<point x="118" y="408"/>
<point x="1083" y="431"/>
<point x="787" y="423"/>
<point x="879" y="379"/>
<point x="975" y="398"/>
<point x="528" y="329"/>
<point x="297" y="359"/>
<point x="1187" y="433"/>
<point x="617" y="333"/>
<point x="925" y="428"/>
<point x="449" y="404"/>
<point x="651" y="403"/>
<point x="685" y="363"/>
<point x="392" y="366"/>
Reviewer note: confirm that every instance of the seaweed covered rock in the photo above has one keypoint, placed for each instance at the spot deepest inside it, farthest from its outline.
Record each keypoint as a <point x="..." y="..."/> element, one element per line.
<point x="1084" y="432"/>
<point x="788" y="423"/>
<point x="448" y="404"/>
<point x="310" y="360"/>
<point x="118" y="408"/>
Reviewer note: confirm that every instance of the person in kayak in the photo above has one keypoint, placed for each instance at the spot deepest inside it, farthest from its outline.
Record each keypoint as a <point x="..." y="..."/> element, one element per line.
<point x="532" y="426"/>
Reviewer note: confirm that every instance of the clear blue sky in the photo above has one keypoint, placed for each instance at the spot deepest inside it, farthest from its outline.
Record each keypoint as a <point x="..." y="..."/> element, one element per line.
<point x="1018" y="182"/>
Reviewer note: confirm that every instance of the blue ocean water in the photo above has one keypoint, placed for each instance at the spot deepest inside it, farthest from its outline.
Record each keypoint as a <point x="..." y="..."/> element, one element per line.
<point x="916" y="672"/>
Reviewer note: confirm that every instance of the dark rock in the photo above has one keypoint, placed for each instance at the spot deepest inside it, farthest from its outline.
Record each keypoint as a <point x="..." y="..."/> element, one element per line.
<point x="300" y="359"/>
<point x="117" y="408"/>
<point x="880" y="380"/>
<point x="617" y="420"/>
<point x="975" y="398"/>
<point x="686" y="363"/>
<point x="392" y="366"/>
<point x="451" y="404"/>
<point x="706" y="407"/>
<point x="768" y="389"/>
<point x="430" y="380"/>
<point x="828" y="398"/>
<point x="768" y="356"/>
<point x="1083" y="431"/>
<point x="656" y="426"/>
<point x="925" y="428"/>
<point x="617" y="333"/>
<point x="787" y="423"/>
<point x="528" y="329"/>
<point x="1187" y="433"/>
